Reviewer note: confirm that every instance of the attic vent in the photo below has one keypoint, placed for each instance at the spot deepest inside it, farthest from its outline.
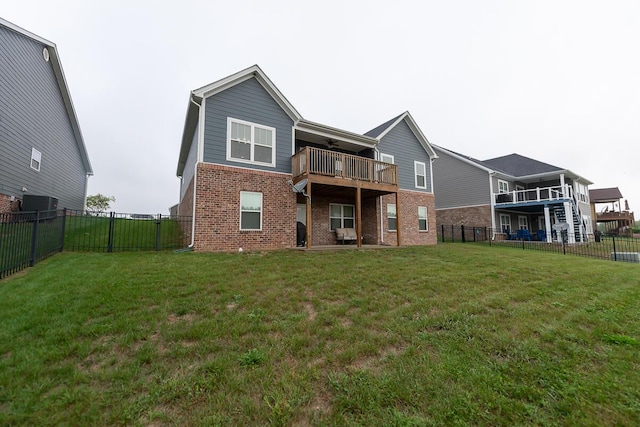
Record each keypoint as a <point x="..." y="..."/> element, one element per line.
<point x="45" y="54"/>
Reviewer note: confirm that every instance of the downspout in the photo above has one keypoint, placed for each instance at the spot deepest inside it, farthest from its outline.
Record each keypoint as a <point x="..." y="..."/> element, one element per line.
<point x="375" y="149"/>
<point x="195" y="180"/>
<point x="491" y="203"/>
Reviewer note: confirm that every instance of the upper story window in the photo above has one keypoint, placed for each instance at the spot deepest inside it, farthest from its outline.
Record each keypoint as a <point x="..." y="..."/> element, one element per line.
<point x="251" y="143"/>
<point x="503" y="186"/>
<point x="36" y="159"/>
<point x="387" y="158"/>
<point x="421" y="174"/>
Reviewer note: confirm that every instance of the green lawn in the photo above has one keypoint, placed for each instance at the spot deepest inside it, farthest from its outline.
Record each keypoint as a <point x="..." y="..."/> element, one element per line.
<point x="447" y="335"/>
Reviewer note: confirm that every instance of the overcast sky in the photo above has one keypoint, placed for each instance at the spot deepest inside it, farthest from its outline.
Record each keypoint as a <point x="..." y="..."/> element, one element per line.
<point x="557" y="81"/>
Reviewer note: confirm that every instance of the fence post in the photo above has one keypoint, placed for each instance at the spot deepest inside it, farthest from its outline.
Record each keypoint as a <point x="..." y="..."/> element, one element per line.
<point x="442" y="226"/>
<point x="111" y="226"/>
<point x="34" y="240"/>
<point x="474" y="234"/>
<point x="462" y="232"/>
<point x="564" y="248"/>
<point x="158" y="222"/>
<point x="64" y="225"/>
<point x="615" y="253"/>
<point x="452" y="235"/>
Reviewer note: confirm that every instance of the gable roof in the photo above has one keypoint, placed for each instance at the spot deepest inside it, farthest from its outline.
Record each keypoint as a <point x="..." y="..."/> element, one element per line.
<point x="62" y="85"/>
<point x="603" y="195"/>
<point x="380" y="131"/>
<point x="196" y="96"/>
<point x="517" y="165"/>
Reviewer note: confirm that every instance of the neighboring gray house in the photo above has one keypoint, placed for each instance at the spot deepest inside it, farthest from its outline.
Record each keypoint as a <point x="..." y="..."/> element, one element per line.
<point x="41" y="147"/>
<point x="245" y="148"/>
<point x="511" y="193"/>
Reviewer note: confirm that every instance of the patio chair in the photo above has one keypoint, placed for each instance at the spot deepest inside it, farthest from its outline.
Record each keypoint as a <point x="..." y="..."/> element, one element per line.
<point x="542" y="235"/>
<point x="346" y="234"/>
<point x="523" y="235"/>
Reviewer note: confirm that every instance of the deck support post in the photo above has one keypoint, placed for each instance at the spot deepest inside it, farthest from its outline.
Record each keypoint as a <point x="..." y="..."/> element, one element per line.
<point x="308" y="228"/>
<point x="398" y="226"/>
<point x="547" y="224"/>
<point x="359" y="216"/>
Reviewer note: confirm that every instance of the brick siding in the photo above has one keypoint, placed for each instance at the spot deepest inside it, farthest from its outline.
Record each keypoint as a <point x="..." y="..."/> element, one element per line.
<point x="476" y="216"/>
<point x="408" y="216"/>
<point x="217" y="225"/>
<point x="6" y="205"/>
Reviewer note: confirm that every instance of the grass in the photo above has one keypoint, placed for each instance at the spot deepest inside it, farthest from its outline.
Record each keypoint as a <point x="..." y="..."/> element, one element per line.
<point x="447" y="335"/>
<point x="91" y="233"/>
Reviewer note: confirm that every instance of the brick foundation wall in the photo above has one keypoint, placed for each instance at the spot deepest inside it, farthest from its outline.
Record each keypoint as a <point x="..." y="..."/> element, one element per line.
<point x="476" y="216"/>
<point x="217" y="226"/>
<point x="408" y="215"/>
<point x="6" y="205"/>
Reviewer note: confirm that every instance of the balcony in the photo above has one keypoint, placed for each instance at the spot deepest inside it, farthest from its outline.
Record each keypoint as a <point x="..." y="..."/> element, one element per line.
<point x="533" y="196"/>
<point x="346" y="170"/>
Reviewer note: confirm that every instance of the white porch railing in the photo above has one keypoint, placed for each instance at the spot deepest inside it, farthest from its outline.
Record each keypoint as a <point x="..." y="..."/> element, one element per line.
<point x="538" y="194"/>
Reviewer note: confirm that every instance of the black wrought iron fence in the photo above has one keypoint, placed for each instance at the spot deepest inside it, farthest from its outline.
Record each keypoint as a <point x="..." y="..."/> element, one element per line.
<point x="121" y="232"/>
<point x="608" y="247"/>
<point x="27" y="237"/>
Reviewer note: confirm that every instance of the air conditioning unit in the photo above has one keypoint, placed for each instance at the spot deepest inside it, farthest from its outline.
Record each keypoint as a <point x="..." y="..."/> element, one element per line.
<point x="32" y="203"/>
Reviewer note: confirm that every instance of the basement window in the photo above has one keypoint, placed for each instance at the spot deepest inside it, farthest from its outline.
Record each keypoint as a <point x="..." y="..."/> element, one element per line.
<point x="36" y="158"/>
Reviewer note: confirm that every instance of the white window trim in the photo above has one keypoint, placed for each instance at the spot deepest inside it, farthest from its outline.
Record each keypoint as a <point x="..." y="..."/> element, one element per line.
<point x="261" y="211"/>
<point x="526" y="222"/>
<point x="253" y="129"/>
<point x="35" y="156"/>
<point x="416" y="175"/>
<point x="426" y="218"/>
<point x="382" y="155"/>
<point x="396" y="217"/>
<point x="342" y="217"/>
<point x="504" y="225"/>
<point x="500" y="191"/>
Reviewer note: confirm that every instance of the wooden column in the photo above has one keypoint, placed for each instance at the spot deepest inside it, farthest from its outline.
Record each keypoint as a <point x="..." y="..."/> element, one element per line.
<point x="359" y="216"/>
<point x="398" y="223"/>
<point x="308" y="210"/>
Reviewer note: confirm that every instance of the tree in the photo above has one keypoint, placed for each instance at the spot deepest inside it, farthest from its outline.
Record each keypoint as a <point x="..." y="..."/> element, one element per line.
<point x="99" y="203"/>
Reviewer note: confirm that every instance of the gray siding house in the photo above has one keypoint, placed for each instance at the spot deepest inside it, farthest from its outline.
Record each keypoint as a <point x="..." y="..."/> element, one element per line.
<point x="256" y="175"/>
<point x="516" y="196"/>
<point x="42" y="151"/>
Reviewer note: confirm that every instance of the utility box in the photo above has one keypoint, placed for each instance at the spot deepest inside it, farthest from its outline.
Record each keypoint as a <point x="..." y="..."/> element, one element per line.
<point x="32" y="203"/>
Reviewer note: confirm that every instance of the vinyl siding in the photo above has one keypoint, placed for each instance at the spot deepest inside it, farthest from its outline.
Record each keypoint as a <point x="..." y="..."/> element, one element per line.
<point x="189" y="167"/>
<point x="401" y="143"/>
<point x="458" y="183"/>
<point x="33" y="115"/>
<point x="251" y="102"/>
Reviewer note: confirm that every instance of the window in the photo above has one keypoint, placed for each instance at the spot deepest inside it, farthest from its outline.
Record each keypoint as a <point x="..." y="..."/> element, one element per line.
<point x="36" y="158"/>
<point x="423" y="224"/>
<point x="250" y="211"/>
<point x="341" y="216"/>
<point x="505" y="222"/>
<point x="523" y="224"/>
<point x="387" y="158"/>
<point x="503" y="186"/>
<point x="250" y="143"/>
<point x="392" y="217"/>
<point x="421" y="174"/>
